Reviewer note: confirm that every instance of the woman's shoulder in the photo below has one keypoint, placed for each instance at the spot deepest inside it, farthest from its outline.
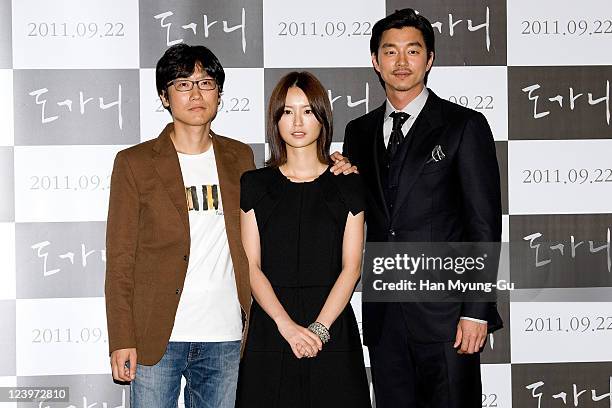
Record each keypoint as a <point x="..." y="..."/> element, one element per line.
<point x="351" y="191"/>
<point x="258" y="176"/>
<point x="348" y="182"/>
<point x="257" y="184"/>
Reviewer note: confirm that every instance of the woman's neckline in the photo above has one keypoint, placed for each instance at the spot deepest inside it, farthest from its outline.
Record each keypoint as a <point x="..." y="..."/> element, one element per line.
<point x="302" y="182"/>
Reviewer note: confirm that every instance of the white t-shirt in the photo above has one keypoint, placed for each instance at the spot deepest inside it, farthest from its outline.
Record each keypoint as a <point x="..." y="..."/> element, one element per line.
<point x="208" y="310"/>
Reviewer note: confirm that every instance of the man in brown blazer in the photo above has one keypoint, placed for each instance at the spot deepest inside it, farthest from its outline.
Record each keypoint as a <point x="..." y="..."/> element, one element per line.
<point x="177" y="282"/>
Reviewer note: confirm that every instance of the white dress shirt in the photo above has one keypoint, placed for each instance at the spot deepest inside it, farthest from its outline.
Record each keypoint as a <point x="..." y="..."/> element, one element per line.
<point x="413" y="109"/>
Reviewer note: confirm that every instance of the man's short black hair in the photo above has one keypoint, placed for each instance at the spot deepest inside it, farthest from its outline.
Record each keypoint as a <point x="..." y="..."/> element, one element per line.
<point x="181" y="60"/>
<point x="399" y="19"/>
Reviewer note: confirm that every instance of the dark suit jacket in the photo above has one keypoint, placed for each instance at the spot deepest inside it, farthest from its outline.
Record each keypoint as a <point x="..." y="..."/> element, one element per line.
<point x="456" y="199"/>
<point x="147" y="240"/>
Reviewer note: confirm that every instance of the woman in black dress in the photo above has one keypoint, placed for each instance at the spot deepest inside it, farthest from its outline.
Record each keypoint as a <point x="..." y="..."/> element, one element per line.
<point x="302" y="231"/>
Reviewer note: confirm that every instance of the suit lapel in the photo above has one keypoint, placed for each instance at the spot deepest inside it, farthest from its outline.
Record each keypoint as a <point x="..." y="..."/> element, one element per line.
<point x="421" y="143"/>
<point x="378" y="152"/>
<point x="168" y="169"/>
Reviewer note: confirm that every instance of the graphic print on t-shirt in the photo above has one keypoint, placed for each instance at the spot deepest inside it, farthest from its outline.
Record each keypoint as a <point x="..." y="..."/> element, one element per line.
<point x="202" y="198"/>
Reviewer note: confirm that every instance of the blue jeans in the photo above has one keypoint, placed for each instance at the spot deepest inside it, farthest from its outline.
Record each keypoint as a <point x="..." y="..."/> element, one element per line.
<point x="210" y="370"/>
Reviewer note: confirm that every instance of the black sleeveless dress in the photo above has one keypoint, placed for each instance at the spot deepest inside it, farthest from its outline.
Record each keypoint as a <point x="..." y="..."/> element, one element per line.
<point x="301" y="229"/>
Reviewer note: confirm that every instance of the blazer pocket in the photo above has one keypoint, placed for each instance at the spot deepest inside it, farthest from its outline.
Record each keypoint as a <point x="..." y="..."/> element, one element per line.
<point x="434" y="167"/>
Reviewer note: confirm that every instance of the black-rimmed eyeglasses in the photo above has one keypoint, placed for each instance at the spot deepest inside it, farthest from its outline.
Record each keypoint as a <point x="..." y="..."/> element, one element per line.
<point x="186" y="85"/>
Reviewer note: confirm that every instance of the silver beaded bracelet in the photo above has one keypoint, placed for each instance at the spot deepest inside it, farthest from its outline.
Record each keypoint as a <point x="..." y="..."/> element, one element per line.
<point x="320" y="330"/>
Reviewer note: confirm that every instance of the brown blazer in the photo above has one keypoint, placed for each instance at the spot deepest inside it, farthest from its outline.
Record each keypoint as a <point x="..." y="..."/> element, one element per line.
<point x="147" y="240"/>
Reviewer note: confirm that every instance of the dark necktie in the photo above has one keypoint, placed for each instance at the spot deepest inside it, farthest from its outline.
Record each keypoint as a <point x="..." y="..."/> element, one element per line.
<point x="396" y="134"/>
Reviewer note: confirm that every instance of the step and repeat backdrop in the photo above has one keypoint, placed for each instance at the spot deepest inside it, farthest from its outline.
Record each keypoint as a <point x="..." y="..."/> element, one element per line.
<point x="78" y="85"/>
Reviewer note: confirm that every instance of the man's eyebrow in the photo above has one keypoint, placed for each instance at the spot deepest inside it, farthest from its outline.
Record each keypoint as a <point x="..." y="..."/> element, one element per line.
<point x="410" y="44"/>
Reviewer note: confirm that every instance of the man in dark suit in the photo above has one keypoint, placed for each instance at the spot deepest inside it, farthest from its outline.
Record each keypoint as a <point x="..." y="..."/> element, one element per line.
<point x="431" y="173"/>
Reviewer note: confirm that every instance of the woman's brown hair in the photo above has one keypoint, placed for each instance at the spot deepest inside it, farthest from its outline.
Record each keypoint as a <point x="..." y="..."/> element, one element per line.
<point x="321" y="108"/>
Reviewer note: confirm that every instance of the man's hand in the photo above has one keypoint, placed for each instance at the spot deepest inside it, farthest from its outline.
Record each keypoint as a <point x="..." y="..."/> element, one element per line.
<point x="470" y="336"/>
<point x="342" y="164"/>
<point x="118" y="359"/>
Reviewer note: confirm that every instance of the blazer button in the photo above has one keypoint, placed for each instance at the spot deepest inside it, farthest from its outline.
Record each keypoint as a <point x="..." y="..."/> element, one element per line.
<point x="178" y="291"/>
<point x="186" y="258"/>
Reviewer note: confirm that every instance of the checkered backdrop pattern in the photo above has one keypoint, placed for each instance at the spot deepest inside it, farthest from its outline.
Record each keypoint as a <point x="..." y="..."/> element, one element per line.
<point x="78" y="86"/>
